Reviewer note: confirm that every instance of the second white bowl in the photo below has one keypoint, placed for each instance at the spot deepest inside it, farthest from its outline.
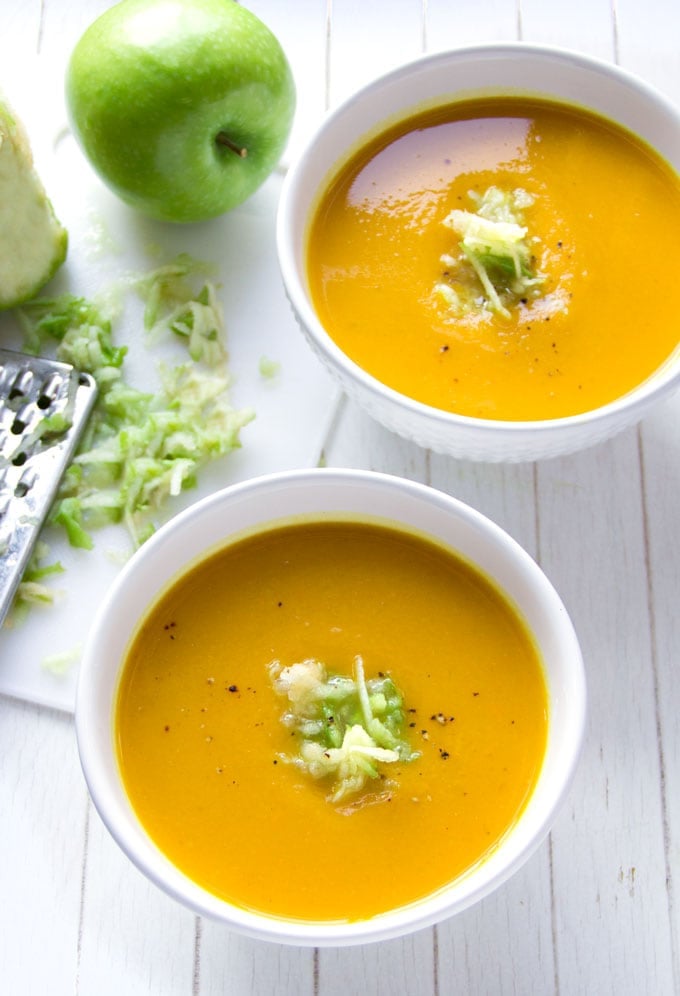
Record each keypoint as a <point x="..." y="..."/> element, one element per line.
<point x="323" y="494"/>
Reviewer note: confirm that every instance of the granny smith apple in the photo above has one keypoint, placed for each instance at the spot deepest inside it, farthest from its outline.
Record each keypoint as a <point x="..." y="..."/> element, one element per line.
<point x="183" y="107"/>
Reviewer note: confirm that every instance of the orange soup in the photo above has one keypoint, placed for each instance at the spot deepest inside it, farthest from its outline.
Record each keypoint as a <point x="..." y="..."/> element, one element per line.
<point x="414" y="268"/>
<point x="204" y="741"/>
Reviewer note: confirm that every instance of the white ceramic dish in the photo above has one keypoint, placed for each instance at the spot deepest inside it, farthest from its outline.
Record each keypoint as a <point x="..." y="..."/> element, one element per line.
<point x="512" y="69"/>
<point x="208" y="525"/>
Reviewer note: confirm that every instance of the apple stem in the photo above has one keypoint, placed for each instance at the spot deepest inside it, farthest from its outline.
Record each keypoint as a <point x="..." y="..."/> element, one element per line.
<point x="224" y="140"/>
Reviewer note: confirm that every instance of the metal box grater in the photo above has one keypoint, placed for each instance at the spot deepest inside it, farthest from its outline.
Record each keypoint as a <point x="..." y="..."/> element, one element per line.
<point x="33" y="458"/>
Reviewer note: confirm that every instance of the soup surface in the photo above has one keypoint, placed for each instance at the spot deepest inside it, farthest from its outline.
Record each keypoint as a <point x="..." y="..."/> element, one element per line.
<point x="599" y="211"/>
<point x="202" y="747"/>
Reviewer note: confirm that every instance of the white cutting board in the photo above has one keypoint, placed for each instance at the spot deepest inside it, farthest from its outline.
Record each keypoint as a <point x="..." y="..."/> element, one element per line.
<point x="108" y="240"/>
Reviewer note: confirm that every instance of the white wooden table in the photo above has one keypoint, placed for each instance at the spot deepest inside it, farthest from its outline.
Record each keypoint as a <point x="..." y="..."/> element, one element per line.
<point x="595" y="911"/>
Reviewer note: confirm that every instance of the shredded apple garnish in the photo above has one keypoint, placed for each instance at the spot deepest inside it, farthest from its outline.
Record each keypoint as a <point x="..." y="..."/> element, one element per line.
<point x="496" y="265"/>
<point x="347" y="728"/>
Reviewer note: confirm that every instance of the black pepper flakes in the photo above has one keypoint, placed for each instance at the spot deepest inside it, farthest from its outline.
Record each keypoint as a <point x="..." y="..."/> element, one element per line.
<point x="233" y="688"/>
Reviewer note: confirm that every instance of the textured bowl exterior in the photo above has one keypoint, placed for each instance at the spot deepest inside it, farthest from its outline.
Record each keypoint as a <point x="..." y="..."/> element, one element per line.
<point x="444" y="78"/>
<point x="478" y="439"/>
<point x="322" y="493"/>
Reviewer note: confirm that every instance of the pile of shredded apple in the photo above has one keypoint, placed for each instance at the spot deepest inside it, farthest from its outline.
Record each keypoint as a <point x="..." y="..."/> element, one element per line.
<point x="140" y="448"/>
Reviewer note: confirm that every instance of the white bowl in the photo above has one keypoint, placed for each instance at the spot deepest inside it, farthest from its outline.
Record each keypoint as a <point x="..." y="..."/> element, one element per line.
<point x="510" y="69"/>
<point x="208" y="525"/>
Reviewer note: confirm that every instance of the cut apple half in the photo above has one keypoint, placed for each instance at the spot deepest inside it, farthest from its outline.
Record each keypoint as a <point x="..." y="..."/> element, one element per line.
<point x="34" y="243"/>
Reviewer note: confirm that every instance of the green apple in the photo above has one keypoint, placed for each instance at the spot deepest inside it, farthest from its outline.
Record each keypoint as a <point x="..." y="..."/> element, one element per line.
<point x="183" y="107"/>
<point x="32" y="242"/>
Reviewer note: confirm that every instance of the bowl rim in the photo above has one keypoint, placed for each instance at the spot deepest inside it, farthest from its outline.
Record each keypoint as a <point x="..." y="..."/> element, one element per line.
<point x="634" y="402"/>
<point x="95" y="741"/>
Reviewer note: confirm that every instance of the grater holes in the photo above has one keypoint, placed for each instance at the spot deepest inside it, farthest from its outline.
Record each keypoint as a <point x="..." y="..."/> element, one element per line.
<point x="29" y="397"/>
<point x="21" y="385"/>
<point x="48" y="392"/>
<point x="22" y="418"/>
<point x="25" y="483"/>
